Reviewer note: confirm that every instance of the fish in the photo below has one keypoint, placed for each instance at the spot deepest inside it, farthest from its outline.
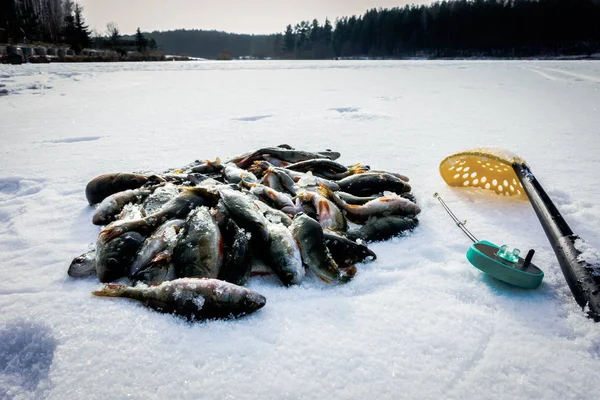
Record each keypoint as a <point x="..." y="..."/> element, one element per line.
<point x="234" y="174"/>
<point x="384" y="228"/>
<point x="288" y="155"/>
<point x="84" y="265"/>
<point x="198" y="252"/>
<point x="309" y="235"/>
<point x="367" y="184"/>
<point x="237" y="263"/>
<point x="316" y="165"/>
<point x="346" y="252"/>
<point x="273" y="215"/>
<point x="114" y="257"/>
<point x="104" y="185"/>
<point x="159" y="198"/>
<point x="192" y="298"/>
<point x="380" y="207"/>
<point x="351" y="199"/>
<point x="328" y="215"/>
<point x="245" y="214"/>
<point x="283" y="255"/>
<point x="275" y="199"/>
<point x="112" y="205"/>
<point x="162" y="239"/>
<point x="206" y="167"/>
<point x="178" y="207"/>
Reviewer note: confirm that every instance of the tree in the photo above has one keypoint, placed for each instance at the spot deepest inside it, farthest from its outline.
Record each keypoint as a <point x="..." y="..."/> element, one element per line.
<point x="289" y="40"/>
<point x="112" y="31"/>
<point x="140" y="41"/>
<point x="75" y="32"/>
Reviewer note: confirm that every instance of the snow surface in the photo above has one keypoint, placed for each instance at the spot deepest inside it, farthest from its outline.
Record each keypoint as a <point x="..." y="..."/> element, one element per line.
<point x="419" y="322"/>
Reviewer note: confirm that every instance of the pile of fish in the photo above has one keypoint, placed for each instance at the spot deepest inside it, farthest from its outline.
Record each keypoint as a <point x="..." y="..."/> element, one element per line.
<point x="187" y="240"/>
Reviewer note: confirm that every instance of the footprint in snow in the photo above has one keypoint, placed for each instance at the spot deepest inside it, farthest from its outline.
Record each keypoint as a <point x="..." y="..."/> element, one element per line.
<point x="26" y="353"/>
<point x="345" y="109"/>
<point x="76" y="139"/>
<point x="252" y="118"/>
<point x="18" y="187"/>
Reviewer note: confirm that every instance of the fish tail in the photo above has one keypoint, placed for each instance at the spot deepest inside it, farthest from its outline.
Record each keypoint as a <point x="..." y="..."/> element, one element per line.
<point x="111" y="290"/>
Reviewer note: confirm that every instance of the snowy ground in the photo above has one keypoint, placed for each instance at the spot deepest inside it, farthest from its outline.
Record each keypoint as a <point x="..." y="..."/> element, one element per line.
<point x="419" y="322"/>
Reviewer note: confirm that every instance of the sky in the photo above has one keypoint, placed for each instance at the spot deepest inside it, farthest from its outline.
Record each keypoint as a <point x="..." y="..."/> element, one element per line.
<point x="239" y="16"/>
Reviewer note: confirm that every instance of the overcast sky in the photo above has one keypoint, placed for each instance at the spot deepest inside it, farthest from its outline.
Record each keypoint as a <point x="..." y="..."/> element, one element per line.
<point x="240" y="16"/>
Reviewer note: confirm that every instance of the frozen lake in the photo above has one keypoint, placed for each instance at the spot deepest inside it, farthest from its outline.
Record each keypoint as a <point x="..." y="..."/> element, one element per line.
<point x="419" y="322"/>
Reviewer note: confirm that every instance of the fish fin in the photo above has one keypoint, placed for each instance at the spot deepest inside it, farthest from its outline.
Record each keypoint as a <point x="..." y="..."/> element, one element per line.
<point x="325" y="191"/>
<point x="358" y="168"/>
<point x="110" y="290"/>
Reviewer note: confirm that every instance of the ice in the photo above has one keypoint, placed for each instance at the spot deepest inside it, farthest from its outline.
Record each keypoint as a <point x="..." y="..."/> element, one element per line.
<point x="418" y="322"/>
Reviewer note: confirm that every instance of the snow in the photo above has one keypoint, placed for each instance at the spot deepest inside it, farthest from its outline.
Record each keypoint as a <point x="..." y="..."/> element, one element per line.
<point x="418" y="322"/>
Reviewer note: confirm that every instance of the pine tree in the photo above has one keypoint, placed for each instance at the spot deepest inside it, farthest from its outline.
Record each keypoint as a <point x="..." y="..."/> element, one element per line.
<point x="289" y="40"/>
<point x="140" y="41"/>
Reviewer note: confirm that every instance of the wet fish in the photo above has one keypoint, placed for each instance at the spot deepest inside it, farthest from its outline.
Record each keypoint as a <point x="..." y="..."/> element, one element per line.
<point x="294" y="156"/>
<point x="380" y="207"/>
<point x="351" y="199"/>
<point x="273" y="215"/>
<point x="309" y="235"/>
<point x="317" y="165"/>
<point x="368" y="184"/>
<point x="237" y="263"/>
<point x="346" y="252"/>
<point x="283" y="255"/>
<point x="206" y="167"/>
<point x="275" y="199"/>
<point x="160" y="269"/>
<point x="112" y="205"/>
<point x="233" y="174"/>
<point x="104" y="185"/>
<point x="159" y="198"/>
<point x="384" y="228"/>
<point x="178" y="207"/>
<point x="328" y="215"/>
<point x="163" y="238"/>
<point x="245" y="213"/>
<point x="194" y="299"/>
<point x="198" y="252"/>
<point x="114" y="257"/>
<point x="84" y="265"/>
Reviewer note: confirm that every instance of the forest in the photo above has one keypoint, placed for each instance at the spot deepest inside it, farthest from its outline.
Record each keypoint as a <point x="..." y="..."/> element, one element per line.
<point x="458" y="28"/>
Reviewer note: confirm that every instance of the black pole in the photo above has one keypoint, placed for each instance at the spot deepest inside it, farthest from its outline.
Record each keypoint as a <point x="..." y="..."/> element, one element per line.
<point x="579" y="274"/>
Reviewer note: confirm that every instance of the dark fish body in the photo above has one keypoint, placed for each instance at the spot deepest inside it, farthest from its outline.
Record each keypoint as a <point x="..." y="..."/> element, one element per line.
<point x="112" y="205"/>
<point x="378" y="229"/>
<point x="103" y="186"/>
<point x="234" y="174"/>
<point x="288" y="155"/>
<point x="245" y="213"/>
<point x="162" y="239"/>
<point x="328" y="215"/>
<point x="178" y="207"/>
<point x="198" y="252"/>
<point x="195" y="299"/>
<point x="275" y="199"/>
<point x="357" y="200"/>
<point x="380" y="207"/>
<point x="237" y="264"/>
<point x="346" y="252"/>
<point x="273" y="215"/>
<point x="114" y="258"/>
<point x="318" y="164"/>
<point x="283" y="255"/>
<point x="84" y="265"/>
<point x="159" y="198"/>
<point x="368" y="184"/>
<point x="309" y="235"/>
<point x="206" y="167"/>
<point x="159" y="270"/>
